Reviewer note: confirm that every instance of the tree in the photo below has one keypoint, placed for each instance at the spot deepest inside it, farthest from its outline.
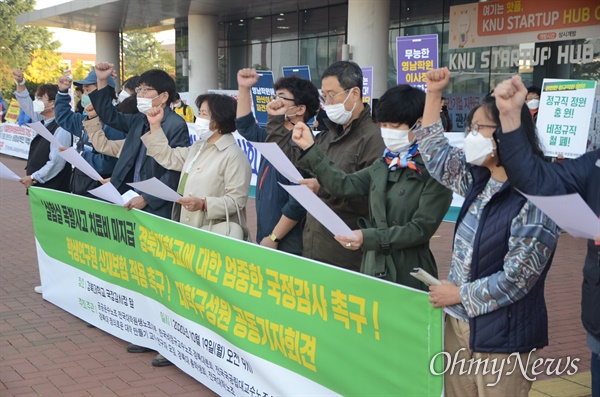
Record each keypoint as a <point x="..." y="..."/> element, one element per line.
<point x="142" y="51"/>
<point x="45" y="67"/>
<point x="80" y="71"/>
<point x="18" y="42"/>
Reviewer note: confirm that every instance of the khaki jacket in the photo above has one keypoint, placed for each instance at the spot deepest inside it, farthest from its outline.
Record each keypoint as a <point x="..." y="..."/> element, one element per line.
<point x="221" y="170"/>
<point x="351" y="149"/>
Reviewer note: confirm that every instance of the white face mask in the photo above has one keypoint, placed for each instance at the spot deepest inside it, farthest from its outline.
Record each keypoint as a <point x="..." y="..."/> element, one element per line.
<point x="177" y="105"/>
<point x="477" y="147"/>
<point x="123" y="95"/>
<point x="396" y="140"/>
<point x="145" y="104"/>
<point x="38" y="106"/>
<point x="203" y="129"/>
<point x="533" y="104"/>
<point x="338" y="113"/>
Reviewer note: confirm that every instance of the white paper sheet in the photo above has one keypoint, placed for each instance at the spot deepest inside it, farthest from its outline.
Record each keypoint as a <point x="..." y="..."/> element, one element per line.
<point x="275" y="155"/>
<point x="319" y="210"/>
<point x="43" y="131"/>
<point x="156" y="188"/>
<point x="569" y="212"/>
<point x="108" y="192"/>
<point x="128" y="195"/>
<point x="6" y="173"/>
<point x="79" y="162"/>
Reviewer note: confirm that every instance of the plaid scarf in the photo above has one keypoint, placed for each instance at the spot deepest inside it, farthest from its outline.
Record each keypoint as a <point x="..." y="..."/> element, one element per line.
<point x="396" y="161"/>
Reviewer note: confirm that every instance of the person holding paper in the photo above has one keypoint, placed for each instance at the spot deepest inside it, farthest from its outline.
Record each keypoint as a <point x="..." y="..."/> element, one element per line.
<point x="353" y="142"/>
<point x="214" y="168"/>
<point x="406" y="204"/>
<point x="45" y="168"/>
<point x="73" y="122"/>
<point x="279" y="216"/>
<point x="581" y="175"/>
<point x="156" y="89"/>
<point x="503" y="249"/>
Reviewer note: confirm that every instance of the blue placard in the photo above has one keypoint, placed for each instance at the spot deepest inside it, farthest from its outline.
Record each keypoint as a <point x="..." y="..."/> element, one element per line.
<point x="300" y="71"/>
<point x="262" y="92"/>
<point x="415" y="56"/>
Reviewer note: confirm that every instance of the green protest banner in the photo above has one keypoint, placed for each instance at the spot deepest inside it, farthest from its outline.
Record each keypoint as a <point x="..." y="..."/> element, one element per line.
<point x="232" y="314"/>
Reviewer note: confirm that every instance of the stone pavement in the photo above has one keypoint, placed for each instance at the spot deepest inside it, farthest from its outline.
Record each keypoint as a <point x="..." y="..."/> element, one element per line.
<point x="45" y="351"/>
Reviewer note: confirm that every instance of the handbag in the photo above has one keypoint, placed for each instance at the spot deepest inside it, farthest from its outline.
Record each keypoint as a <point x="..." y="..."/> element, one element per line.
<point x="227" y="228"/>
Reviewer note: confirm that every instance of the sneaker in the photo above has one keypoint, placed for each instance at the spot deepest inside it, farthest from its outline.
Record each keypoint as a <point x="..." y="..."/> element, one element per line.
<point x="160" y="361"/>
<point x="38" y="289"/>
<point x="137" y="349"/>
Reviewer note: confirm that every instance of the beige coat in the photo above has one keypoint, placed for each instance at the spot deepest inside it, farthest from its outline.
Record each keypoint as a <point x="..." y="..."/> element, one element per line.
<point x="221" y="170"/>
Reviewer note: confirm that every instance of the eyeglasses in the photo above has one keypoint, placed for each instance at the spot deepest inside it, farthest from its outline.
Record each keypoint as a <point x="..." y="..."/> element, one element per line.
<point x="143" y="90"/>
<point x="329" y="98"/>
<point x="476" y="127"/>
<point x="275" y="97"/>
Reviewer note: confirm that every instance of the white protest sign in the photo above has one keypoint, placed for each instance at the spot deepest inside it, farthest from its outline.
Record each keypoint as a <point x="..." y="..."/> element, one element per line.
<point x="563" y="120"/>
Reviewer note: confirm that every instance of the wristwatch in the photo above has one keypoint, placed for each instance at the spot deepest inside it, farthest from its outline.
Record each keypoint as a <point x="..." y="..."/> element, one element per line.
<point x="274" y="238"/>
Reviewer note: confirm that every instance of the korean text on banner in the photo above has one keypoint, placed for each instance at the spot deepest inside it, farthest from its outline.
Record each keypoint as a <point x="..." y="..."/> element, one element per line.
<point x="506" y="22"/>
<point x="415" y="56"/>
<point x="232" y="314"/>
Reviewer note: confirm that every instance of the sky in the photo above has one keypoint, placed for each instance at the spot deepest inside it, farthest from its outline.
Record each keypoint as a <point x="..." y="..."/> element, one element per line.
<point x="82" y="42"/>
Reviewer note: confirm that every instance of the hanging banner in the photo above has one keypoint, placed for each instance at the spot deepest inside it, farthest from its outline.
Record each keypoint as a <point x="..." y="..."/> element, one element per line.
<point x="563" y="121"/>
<point x="15" y="140"/>
<point x="367" y="88"/>
<point x="302" y="71"/>
<point x="240" y="318"/>
<point x="506" y="22"/>
<point x="415" y="56"/>
<point x="262" y="92"/>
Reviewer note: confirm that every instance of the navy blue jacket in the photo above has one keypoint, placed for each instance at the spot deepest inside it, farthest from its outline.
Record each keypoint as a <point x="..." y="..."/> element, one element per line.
<point x="271" y="200"/>
<point x="582" y="176"/>
<point x="73" y="122"/>
<point x="522" y="325"/>
<point x="175" y="129"/>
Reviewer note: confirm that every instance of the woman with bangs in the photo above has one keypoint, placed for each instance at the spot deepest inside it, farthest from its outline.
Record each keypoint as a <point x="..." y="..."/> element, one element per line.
<point x="406" y="204"/>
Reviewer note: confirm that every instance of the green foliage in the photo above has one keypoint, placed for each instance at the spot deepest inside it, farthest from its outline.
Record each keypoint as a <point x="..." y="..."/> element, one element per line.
<point x="18" y="42"/>
<point x="80" y="71"/>
<point x="142" y="51"/>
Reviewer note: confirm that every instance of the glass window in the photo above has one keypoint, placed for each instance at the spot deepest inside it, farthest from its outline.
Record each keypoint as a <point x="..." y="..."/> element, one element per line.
<point x="285" y="26"/>
<point x="259" y="28"/>
<point x="314" y="53"/>
<point x="285" y="53"/>
<point x="314" y="22"/>
<point x="260" y="56"/>
<point x="236" y="32"/>
<point x="338" y="19"/>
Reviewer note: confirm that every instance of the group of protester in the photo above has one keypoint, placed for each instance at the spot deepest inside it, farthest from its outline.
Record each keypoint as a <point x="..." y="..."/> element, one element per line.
<point x="391" y="181"/>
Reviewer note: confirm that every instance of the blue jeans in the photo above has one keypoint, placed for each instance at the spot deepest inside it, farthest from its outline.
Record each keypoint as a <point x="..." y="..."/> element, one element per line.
<point x="595" y="369"/>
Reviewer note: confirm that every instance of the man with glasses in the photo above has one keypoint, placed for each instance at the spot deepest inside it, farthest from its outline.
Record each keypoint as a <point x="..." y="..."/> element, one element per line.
<point x="279" y="216"/>
<point x="156" y="88"/>
<point x="352" y="142"/>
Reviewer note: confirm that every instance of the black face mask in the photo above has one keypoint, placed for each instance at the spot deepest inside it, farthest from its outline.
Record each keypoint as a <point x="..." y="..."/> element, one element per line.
<point x="444" y="108"/>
